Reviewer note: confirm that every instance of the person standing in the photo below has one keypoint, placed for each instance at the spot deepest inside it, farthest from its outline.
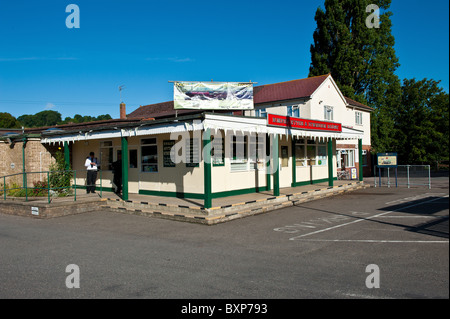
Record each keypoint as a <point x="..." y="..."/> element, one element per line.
<point x="91" y="165"/>
<point x="117" y="171"/>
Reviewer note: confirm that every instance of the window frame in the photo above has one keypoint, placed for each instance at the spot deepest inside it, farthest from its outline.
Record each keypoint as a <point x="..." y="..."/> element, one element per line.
<point x="149" y="164"/>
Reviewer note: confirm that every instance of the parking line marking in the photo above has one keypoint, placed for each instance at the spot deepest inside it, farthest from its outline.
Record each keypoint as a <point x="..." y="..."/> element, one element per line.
<point x="379" y="241"/>
<point x="363" y="219"/>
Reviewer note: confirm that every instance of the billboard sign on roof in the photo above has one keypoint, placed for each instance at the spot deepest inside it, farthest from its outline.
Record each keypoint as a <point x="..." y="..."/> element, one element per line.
<point x="213" y="95"/>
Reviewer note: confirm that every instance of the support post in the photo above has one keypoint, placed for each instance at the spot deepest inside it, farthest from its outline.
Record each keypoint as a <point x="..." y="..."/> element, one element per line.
<point x="294" y="162"/>
<point x="66" y="156"/>
<point x="268" y="153"/>
<point x="124" y="168"/>
<point x="360" y="160"/>
<point x="330" y="163"/>
<point x="275" y="166"/>
<point x="207" y="201"/>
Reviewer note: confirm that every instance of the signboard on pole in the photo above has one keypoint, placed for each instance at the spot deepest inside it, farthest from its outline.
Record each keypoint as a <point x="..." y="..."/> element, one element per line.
<point x="292" y="122"/>
<point x="213" y="95"/>
<point x="387" y="160"/>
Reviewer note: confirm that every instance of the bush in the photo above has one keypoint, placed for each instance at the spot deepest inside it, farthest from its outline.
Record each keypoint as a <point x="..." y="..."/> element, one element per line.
<point x="59" y="178"/>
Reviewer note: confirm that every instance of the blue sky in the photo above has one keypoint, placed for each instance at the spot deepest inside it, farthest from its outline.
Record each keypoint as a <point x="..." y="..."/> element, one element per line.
<point x="144" y="44"/>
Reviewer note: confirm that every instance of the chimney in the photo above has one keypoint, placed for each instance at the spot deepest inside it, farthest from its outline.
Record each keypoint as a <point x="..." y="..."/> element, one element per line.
<point x="123" y="112"/>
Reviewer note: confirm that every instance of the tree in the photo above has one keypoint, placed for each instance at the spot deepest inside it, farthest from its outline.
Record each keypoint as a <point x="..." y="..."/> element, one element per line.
<point x="8" y="121"/>
<point x="361" y="60"/>
<point x="422" y="123"/>
<point x="44" y="118"/>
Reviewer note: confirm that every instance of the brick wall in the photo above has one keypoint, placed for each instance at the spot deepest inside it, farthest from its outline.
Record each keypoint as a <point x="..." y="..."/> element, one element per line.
<point x="38" y="157"/>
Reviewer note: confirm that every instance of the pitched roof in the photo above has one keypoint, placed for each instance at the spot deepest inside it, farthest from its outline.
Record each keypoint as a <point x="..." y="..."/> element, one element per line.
<point x="358" y="105"/>
<point x="158" y="110"/>
<point x="261" y="94"/>
<point x="295" y="89"/>
<point x="282" y="91"/>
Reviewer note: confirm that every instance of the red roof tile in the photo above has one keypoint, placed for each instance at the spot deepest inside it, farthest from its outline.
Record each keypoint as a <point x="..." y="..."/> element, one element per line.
<point x="295" y="89"/>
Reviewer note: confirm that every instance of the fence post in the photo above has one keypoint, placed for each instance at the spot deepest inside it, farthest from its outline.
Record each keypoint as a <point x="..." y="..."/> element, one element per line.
<point x="379" y="174"/>
<point x="389" y="180"/>
<point x="375" y="176"/>
<point x="429" y="177"/>
<point x="407" y="174"/>
<point x="26" y="186"/>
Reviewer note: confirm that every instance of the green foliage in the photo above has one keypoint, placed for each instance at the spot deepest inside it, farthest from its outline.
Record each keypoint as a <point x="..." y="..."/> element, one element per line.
<point x="59" y="178"/>
<point x="83" y="119"/>
<point x="8" y="121"/>
<point x="44" y="118"/>
<point x="422" y="123"/>
<point x="361" y="60"/>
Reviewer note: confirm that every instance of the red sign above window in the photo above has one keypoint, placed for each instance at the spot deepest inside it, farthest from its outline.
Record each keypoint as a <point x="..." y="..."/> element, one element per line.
<point x="298" y="123"/>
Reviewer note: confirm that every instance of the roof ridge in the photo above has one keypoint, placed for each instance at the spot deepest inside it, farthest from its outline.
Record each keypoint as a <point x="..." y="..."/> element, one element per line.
<point x="316" y="76"/>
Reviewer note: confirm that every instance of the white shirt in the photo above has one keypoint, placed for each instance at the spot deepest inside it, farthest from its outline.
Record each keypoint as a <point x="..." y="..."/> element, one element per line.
<point x="88" y="165"/>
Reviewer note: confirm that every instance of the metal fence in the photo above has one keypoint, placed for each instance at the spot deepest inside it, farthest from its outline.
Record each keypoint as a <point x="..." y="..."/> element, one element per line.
<point x="403" y="175"/>
<point x="46" y="184"/>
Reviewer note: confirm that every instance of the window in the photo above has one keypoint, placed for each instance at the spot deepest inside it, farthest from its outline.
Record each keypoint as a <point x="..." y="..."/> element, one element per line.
<point x="218" y="150"/>
<point x="168" y="153"/>
<point x="133" y="158"/>
<point x="257" y="149"/>
<point x="328" y="113"/>
<point x="293" y="111"/>
<point x="350" y="158"/>
<point x="300" y="156"/>
<point x="149" y="155"/>
<point x="311" y="152"/>
<point x="284" y="156"/>
<point x="192" y="152"/>
<point x="358" y="118"/>
<point x="106" y="155"/>
<point x="322" y="154"/>
<point x="239" y="156"/>
<point x="261" y="113"/>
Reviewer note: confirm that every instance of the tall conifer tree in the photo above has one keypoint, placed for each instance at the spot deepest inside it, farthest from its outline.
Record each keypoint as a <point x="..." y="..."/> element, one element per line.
<point x="362" y="60"/>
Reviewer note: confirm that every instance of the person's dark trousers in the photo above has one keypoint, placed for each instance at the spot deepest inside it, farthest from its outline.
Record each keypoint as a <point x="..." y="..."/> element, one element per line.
<point x="91" y="179"/>
<point x="118" y="182"/>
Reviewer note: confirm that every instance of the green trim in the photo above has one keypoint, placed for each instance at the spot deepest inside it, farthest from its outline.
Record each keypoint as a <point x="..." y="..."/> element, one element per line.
<point x="268" y="181"/>
<point x="105" y="189"/>
<point x="239" y="192"/>
<point x="66" y="156"/>
<point x="207" y="168"/>
<point x="276" y="167"/>
<point x="171" y="194"/>
<point x="330" y="163"/>
<point x="294" y="161"/>
<point x="125" y="166"/>
<point x="317" y="181"/>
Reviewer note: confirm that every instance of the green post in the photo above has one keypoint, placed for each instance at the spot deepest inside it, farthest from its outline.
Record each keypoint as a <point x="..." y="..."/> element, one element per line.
<point x="66" y="156"/>
<point x="294" y="162"/>
<point x="4" y="187"/>
<point x="268" y="186"/>
<point x="360" y="160"/>
<point x="330" y="163"/>
<point x="48" y="187"/>
<point x="207" y="168"/>
<point x="124" y="168"/>
<point x="24" y="184"/>
<point x="75" y="186"/>
<point x="275" y="167"/>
